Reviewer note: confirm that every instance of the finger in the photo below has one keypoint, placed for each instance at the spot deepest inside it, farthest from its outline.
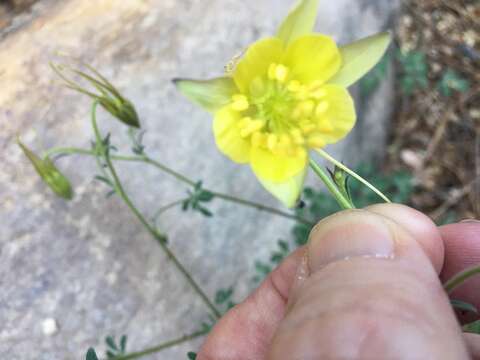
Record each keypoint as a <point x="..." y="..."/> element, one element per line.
<point x="473" y="345"/>
<point x="246" y="330"/>
<point x="372" y="293"/>
<point x="419" y="226"/>
<point x="462" y="250"/>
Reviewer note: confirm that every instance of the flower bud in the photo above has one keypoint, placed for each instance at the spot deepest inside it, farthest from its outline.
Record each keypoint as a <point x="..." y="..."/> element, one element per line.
<point x="109" y="98"/>
<point x="49" y="173"/>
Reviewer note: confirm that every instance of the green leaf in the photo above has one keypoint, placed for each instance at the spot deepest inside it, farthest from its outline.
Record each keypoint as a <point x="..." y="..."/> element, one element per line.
<point x="464" y="306"/>
<point x="205" y="196"/>
<point x="451" y="81"/>
<point x="49" y="173"/>
<point x="192" y="355"/>
<point x="91" y="355"/>
<point x="372" y="80"/>
<point x="473" y="327"/>
<point x="123" y="343"/>
<point x="223" y="295"/>
<point x="360" y="57"/>
<point x="103" y="179"/>
<point x="111" y="343"/>
<point x="210" y="94"/>
<point x="283" y="245"/>
<point x="300" y="21"/>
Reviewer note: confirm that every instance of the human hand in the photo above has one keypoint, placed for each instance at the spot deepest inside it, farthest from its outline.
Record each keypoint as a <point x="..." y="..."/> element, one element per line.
<point x="365" y="287"/>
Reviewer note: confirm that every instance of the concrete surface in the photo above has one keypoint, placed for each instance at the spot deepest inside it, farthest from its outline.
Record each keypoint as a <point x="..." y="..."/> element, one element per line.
<point x="72" y="273"/>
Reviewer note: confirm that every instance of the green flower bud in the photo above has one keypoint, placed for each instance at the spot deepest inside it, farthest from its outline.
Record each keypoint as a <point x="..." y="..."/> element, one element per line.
<point x="49" y="173"/>
<point x="109" y="97"/>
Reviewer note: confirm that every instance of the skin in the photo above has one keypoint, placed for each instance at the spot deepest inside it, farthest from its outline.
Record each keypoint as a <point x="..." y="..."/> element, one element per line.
<point x="367" y="286"/>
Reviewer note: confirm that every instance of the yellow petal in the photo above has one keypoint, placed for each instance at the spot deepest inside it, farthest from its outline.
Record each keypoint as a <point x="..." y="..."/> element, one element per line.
<point x="313" y="58"/>
<point x="340" y="115"/>
<point x="360" y="57"/>
<point x="288" y="191"/>
<point x="276" y="168"/>
<point x="227" y="129"/>
<point x="256" y="62"/>
<point x="300" y="21"/>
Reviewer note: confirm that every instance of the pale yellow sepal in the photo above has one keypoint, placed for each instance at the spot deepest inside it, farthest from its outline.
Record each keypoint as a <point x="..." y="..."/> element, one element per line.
<point x="288" y="192"/>
<point x="359" y="57"/>
<point x="211" y="94"/>
<point x="300" y="21"/>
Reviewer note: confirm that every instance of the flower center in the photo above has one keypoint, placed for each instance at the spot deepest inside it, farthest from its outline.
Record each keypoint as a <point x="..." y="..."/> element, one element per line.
<point x="283" y="115"/>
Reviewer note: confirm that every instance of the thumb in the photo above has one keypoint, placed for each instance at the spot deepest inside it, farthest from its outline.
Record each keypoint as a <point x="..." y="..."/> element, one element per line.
<point x="371" y="292"/>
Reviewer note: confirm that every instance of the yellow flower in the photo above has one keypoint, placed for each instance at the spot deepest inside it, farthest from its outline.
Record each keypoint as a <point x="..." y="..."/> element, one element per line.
<point x="286" y="96"/>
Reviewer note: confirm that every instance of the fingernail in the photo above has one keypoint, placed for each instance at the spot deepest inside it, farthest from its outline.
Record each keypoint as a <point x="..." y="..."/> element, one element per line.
<point x="470" y="221"/>
<point x="355" y="234"/>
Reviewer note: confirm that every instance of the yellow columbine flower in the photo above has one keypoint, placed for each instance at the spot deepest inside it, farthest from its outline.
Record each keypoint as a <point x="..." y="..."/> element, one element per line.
<point x="287" y="95"/>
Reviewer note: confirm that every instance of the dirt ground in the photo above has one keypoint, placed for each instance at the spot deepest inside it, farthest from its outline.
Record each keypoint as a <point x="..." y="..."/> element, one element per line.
<point x="435" y="136"/>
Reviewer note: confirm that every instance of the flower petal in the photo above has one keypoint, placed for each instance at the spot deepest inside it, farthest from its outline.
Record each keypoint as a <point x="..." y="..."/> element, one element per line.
<point x="256" y="61"/>
<point x="209" y="94"/>
<point x="276" y="168"/>
<point x="313" y="58"/>
<point x="300" y="21"/>
<point x="226" y="128"/>
<point x="288" y="191"/>
<point x="340" y="117"/>
<point x="360" y="57"/>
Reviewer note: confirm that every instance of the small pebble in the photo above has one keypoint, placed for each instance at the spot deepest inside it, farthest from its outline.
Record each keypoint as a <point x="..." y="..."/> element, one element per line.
<point x="49" y="326"/>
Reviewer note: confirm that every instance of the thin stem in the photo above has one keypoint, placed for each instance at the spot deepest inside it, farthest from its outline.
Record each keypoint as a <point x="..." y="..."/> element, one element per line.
<point x="181" y="178"/>
<point x="337" y="194"/>
<point x="163" y="346"/>
<point x="67" y="151"/>
<point x="352" y="174"/>
<point x="260" y="207"/>
<point x="158" y="236"/>
<point x="167" y="207"/>
<point x="460" y="278"/>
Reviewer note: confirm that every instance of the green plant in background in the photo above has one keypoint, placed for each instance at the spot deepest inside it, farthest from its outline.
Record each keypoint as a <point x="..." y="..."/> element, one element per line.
<point x="373" y="79"/>
<point x="414" y="71"/>
<point x="451" y="81"/>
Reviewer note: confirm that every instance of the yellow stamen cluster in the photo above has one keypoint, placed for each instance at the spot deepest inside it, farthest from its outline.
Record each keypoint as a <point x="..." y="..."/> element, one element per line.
<point x="283" y="115"/>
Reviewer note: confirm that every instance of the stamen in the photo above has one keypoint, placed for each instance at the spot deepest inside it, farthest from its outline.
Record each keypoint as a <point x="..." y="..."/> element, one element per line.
<point x="322" y="108"/>
<point x="294" y="86"/>
<point x="272" y="70"/>
<point x="319" y="94"/>
<point x="252" y="127"/>
<point x="272" y="141"/>
<point x="325" y="126"/>
<point x="258" y="139"/>
<point x="307" y="127"/>
<point x="307" y="108"/>
<point x="240" y="103"/>
<point x="297" y="137"/>
<point x="281" y="73"/>
<point x="316" y="141"/>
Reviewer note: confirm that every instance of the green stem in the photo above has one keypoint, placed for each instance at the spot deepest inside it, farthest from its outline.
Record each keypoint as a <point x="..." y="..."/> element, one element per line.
<point x="260" y="207"/>
<point x="460" y="278"/>
<point x="337" y="194"/>
<point x="181" y="178"/>
<point x="154" y="232"/>
<point x="163" y="346"/>
<point x="353" y="174"/>
<point x="167" y="207"/>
